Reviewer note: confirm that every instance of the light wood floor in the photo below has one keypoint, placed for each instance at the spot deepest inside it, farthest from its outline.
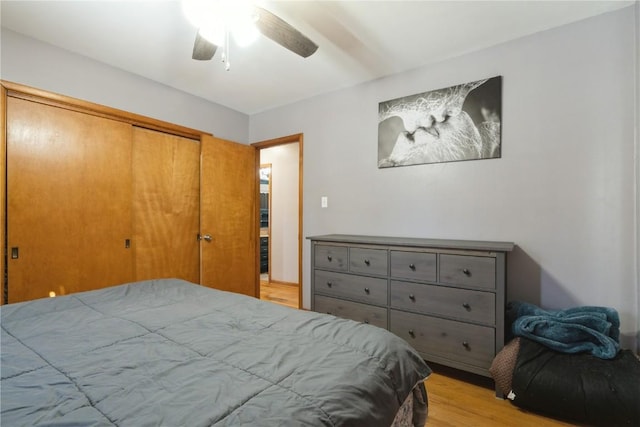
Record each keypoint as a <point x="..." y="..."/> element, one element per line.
<point x="455" y="398"/>
<point x="460" y="399"/>
<point x="279" y="293"/>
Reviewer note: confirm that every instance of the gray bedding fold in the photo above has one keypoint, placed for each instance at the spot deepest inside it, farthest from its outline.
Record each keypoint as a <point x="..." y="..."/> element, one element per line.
<point x="172" y="353"/>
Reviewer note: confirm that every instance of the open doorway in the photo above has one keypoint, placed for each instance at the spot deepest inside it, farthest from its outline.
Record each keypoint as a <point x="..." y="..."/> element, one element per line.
<point x="280" y="218"/>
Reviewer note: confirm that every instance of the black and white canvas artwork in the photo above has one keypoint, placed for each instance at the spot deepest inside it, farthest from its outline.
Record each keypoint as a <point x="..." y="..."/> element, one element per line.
<point x="460" y="122"/>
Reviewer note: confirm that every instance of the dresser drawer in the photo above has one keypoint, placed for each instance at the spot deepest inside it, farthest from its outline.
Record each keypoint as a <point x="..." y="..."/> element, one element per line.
<point x="448" y="339"/>
<point x="370" y="290"/>
<point x="413" y="265"/>
<point x="463" y="304"/>
<point x="368" y="261"/>
<point x="376" y="316"/>
<point x="331" y="257"/>
<point x="467" y="270"/>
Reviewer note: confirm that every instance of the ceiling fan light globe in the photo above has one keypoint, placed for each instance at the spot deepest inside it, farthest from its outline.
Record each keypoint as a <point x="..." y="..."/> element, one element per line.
<point x="213" y="33"/>
<point x="198" y="12"/>
<point x="245" y="34"/>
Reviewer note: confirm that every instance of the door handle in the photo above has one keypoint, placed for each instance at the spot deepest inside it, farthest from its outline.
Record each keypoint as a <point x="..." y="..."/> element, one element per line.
<point x="206" y="237"/>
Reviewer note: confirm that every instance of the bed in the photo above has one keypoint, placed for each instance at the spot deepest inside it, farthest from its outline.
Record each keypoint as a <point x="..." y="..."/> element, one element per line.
<point x="172" y="353"/>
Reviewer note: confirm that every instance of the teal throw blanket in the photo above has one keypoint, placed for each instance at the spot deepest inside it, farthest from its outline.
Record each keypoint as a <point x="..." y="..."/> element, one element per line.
<point x="575" y="330"/>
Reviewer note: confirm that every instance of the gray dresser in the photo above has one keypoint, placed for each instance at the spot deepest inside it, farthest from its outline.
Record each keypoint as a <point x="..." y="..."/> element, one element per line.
<point x="445" y="297"/>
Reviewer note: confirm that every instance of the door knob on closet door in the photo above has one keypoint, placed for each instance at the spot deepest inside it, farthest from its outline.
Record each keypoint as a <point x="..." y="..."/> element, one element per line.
<point x="206" y="237"/>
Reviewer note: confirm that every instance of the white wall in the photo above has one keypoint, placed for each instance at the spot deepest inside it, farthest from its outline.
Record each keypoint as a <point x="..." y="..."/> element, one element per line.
<point x="564" y="190"/>
<point x="33" y="63"/>
<point x="284" y="160"/>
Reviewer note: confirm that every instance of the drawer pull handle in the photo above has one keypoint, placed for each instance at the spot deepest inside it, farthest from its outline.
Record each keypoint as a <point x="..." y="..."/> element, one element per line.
<point x="366" y="261"/>
<point x="330" y="258"/>
<point x="366" y="290"/>
<point x="466" y="345"/>
<point x="466" y="272"/>
<point x="466" y="306"/>
<point x="412" y="297"/>
<point x="412" y="267"/>
<point x="329" y="284"/>
<point x="413" y="334"/>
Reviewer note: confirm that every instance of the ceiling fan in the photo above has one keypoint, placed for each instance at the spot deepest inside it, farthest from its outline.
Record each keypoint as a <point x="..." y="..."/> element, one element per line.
<point x="216" y="20"/>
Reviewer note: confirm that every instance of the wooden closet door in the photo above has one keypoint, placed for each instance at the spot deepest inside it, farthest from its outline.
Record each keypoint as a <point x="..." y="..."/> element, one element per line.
<point x="69" y="201"/>
<point x="166" y="203"/>
<point x="229" y="215"/>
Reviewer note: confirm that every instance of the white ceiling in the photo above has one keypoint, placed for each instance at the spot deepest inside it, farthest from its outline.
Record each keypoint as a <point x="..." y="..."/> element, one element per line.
<point x="358" y="41"/>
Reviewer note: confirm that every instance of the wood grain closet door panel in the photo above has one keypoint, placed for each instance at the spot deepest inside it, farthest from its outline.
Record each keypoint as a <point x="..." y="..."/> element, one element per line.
<point x="69" y="200"/>
<point x="229" y="214"/>
<point x="166" y="201"/>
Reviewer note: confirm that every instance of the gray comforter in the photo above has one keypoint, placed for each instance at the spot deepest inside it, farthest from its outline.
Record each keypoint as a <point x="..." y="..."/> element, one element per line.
<point x="171" y="353"/>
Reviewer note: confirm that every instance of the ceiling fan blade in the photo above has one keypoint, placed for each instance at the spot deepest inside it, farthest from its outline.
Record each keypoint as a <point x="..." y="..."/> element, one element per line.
<point x="284" y="34"/>
<point x="203" y="49"/>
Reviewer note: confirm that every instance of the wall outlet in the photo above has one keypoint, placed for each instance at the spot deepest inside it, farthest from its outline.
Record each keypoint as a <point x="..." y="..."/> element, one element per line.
<point x="324" y="201"/>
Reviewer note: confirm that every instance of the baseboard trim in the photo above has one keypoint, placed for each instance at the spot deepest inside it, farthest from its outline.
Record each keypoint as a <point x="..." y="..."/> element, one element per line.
<point x="278" y="282"/>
